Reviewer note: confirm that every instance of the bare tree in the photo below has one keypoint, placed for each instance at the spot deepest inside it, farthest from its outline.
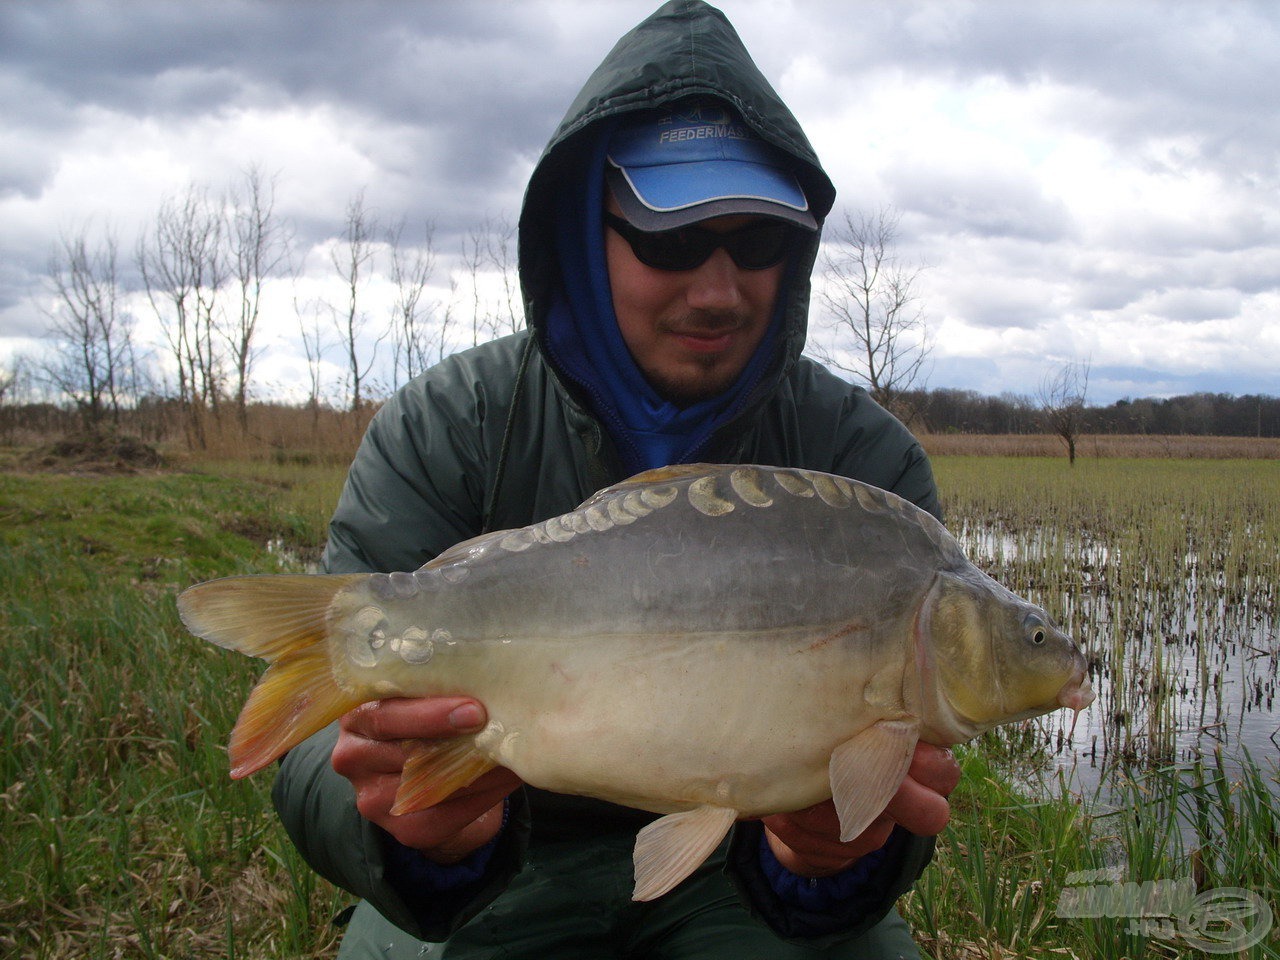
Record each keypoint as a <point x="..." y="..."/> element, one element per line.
<point x="314" y="346"/>
<point x="353" y="258"/>
<point x="500" y="238"/>
<point x="1062" y="400"/>
<point x="14" y="381"/>
<point x="93" y="335"/>
<point x="183" y="266"/>
<point x="490" y="264"/>
<point x="258" y="247"/>
<point x="871" y="305"/>
<point x="412" y="332"/>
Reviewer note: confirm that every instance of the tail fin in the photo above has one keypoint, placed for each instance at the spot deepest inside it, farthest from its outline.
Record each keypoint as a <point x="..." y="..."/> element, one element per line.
<point x="281" y="619"/>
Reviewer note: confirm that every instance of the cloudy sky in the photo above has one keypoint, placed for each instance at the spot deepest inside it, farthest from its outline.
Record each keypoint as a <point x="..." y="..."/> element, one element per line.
<point x="1082" y="181"/>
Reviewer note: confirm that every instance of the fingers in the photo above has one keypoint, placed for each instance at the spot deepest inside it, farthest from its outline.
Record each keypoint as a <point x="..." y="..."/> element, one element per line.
<point x="807" y="841"/>
<point x="451" y="829"/>
<point x="935" y="767"/>
<point x="425" y="718"/>
<point x="371" y="751"/>
<point x="371" y="737"/>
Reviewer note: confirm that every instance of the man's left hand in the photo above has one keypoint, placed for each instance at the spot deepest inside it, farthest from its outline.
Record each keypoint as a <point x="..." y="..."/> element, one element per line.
<point x="807" y="842"/>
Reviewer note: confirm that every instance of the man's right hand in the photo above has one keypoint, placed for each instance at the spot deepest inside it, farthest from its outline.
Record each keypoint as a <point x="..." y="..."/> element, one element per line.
<point x="371" y="752"/>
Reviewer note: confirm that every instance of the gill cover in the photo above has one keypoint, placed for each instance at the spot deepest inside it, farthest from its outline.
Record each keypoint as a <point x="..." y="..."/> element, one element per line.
<point x="997" y="657"/>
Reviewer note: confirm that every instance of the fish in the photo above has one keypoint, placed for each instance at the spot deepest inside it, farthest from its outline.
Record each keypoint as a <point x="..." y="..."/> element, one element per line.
<point x="708" y="642"/>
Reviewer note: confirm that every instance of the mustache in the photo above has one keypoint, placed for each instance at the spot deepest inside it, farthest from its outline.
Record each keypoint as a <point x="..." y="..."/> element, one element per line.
<point x="701" y="323"/>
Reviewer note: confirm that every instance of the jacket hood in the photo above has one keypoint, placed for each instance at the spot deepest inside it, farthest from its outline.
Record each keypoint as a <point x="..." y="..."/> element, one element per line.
<point x="687" y="48"/>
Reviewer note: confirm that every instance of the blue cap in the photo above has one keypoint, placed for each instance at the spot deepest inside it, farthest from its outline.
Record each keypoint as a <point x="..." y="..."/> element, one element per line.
<point x="698" y="161"/>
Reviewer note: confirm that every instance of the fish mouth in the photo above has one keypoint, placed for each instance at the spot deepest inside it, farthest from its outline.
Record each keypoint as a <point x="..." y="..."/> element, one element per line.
<point x="1076" y="694"/>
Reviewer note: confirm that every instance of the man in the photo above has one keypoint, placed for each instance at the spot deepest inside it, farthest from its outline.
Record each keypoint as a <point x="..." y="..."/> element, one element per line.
<point x="666" y="242"/>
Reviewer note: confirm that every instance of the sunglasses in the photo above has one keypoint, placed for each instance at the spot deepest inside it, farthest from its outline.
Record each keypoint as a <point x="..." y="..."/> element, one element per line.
<point x="757" y="246"/>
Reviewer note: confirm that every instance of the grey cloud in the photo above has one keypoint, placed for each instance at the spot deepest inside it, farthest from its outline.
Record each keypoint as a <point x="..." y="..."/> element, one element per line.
<point x="993" y="302"/>
<point x="1193" y="305"/>
<point x="984" y="203"/>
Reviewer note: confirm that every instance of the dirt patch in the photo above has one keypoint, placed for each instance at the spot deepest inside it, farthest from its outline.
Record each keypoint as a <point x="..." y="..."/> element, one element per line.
<point x="95" y="453"/>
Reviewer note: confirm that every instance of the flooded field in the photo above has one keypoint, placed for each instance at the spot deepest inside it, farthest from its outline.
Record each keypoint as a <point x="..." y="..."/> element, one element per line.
<point x="1167" y="572"/>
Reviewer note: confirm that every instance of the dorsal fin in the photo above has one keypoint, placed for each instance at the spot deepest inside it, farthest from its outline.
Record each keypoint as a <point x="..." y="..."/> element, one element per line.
<point x="656" y="477"/>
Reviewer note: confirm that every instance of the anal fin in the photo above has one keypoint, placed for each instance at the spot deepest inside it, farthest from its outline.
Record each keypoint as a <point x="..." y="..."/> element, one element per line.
<point x="670" y="849"/>
<point x="867" y="771"/>
<point x="435" y="769"/>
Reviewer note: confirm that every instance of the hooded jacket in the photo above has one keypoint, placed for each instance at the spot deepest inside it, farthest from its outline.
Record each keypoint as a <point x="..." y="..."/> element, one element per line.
<point x="497" y="437"/>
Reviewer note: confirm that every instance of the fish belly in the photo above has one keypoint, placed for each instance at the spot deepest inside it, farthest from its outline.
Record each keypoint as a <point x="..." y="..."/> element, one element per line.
<point x="671" y="723"/>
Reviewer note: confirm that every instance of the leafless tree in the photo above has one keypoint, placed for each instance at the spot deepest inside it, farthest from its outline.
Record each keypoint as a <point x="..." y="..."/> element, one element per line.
<point x="314" y="345"/>
<point x="258" y="247"/>
<point x="500" y="238"/>
<point x="353" y="258"/>
<point x="412" y="330"/>
<point x="1062" y="397"/>
<point x="9" y="375"/>
<point x="93" y="355"/>
<point x="488" y="260"/>
<point x="15" y="378"/>
<point x="183" y="266"/>
<point x="871" y="305"/>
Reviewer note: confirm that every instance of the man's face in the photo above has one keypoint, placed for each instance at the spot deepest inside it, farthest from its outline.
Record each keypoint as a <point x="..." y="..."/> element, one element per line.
<point x="691" y="332"/>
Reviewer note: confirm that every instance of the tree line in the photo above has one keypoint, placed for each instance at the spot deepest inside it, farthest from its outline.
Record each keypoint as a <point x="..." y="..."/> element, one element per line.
<point x="946" y="410"/>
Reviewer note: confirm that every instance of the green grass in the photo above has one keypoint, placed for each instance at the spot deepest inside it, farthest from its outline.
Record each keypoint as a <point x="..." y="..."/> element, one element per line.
<point x="1010" y="862"/>
<point x="124" y="835"/>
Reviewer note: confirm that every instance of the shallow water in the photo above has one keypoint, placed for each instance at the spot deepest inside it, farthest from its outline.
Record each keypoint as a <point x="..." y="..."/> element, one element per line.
<point x="1184" y="650"/>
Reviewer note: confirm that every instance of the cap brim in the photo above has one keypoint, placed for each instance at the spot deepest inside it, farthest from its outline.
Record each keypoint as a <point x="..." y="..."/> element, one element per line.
<point x="668" y="196"/>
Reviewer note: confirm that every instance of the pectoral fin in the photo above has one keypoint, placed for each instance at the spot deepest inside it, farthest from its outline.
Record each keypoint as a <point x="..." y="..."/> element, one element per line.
<point x="670" y="849"/>
<point x="867" y="771"/>
<point x="435" y="769"/>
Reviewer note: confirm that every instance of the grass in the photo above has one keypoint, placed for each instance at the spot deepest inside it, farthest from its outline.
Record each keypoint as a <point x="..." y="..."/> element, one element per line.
<point x="1014" y="868"/>
<point x="125" y="837"/>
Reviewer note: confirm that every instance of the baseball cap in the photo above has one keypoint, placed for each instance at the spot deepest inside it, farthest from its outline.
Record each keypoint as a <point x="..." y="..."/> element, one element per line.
<point x="697" y="161"/>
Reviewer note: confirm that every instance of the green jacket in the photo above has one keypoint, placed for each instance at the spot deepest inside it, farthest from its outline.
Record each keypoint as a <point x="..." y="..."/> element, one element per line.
<point x="493" y="438"/>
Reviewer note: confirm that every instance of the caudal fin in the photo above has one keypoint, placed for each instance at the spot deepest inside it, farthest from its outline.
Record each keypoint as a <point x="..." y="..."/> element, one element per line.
<point x="281" y="619"/>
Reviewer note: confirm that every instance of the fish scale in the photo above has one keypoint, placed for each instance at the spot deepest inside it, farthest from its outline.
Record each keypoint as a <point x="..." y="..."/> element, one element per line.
<point x="706" y="642"/>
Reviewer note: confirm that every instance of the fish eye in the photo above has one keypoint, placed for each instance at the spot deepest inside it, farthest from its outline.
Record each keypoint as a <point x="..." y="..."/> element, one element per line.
<point x="1037" y="632"/>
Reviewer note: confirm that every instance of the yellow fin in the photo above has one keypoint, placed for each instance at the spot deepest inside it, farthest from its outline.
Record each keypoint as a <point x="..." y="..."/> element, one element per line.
<point x="670" y="849"/>
<point x="264" y="617"/>
<point x="435" y="769"/>
<point x="676" y="471"/>
<point x="283" y="620"/>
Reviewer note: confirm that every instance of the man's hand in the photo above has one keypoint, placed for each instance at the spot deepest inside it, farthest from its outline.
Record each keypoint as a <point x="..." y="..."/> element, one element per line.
<point x="370" y="752"/>
<point x="807" y="842"/>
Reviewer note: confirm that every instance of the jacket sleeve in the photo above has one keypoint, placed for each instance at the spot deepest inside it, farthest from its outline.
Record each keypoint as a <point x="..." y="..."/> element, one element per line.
<point x="394" y="514"/>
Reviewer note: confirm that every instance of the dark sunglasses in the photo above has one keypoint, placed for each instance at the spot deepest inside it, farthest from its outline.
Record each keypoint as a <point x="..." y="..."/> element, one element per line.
<point x="758" y="245"/>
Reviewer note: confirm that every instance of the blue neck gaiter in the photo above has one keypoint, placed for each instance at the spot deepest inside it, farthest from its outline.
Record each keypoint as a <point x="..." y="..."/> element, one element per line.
<point x="585" y="344"/>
